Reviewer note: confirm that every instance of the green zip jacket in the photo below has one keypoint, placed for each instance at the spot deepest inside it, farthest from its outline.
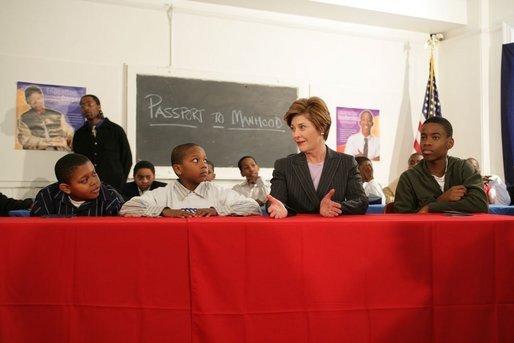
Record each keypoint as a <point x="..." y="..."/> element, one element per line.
<point x="417" y="188"/>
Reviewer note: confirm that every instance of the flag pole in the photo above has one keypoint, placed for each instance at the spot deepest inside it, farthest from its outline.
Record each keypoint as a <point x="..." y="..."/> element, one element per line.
<point x="430" y="110"/>
<point x="431" y="105"/>
<point x="433" y="43"/>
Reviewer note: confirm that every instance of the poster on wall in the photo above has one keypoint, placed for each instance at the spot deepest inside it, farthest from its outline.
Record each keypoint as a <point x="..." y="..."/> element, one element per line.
<point x="358" y="132"/>
<point x="47" y="116"/>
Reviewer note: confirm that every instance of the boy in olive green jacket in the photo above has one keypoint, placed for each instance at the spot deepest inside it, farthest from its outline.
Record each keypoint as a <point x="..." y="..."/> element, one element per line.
<point x="440" y="182"/>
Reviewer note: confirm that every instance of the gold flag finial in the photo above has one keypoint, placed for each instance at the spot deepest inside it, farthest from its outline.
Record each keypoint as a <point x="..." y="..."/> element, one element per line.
<point x="434" y="40"/>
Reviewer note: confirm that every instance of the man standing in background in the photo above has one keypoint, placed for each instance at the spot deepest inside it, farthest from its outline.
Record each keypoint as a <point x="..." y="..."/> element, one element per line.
<point x="105" y="143"/>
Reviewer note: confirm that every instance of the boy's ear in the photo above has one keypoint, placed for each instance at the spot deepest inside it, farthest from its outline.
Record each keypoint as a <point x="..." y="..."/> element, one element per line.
<point x="450" y="143"/>
<point x="177" y="168"/>
<point x="65" y="188"/>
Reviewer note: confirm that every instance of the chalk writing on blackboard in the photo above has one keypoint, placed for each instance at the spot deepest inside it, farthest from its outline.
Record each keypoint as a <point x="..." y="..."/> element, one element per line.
<point x="237" y="119"/>
<point x="228" y="119"/>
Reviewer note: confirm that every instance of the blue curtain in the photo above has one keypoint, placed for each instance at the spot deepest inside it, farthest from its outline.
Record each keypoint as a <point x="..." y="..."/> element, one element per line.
<point x="507" y="109"/>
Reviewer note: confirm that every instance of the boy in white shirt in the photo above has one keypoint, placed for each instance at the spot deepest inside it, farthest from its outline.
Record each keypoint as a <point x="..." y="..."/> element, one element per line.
<point x="371" y="186"/>
<point x="254" y="186"/>
<point x="211" y="175"/>
<point x="191" y="195"/>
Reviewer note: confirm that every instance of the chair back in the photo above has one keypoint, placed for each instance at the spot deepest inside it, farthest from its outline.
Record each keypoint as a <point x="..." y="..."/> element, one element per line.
<point x="389" y="208"/>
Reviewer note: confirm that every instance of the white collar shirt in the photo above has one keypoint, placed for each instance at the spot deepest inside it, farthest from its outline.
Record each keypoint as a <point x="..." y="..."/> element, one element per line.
<point x="176" y="196"/>
<point x="256" y="191"/>
<point x="355" y="145"/>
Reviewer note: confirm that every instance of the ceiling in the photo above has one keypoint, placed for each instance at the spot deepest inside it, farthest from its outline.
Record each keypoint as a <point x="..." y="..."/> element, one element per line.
<point x="333" y="10"/>
<point x="340" y="13"/>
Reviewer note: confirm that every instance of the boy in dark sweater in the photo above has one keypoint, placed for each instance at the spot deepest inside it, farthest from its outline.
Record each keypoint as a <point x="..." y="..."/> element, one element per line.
<point x="440" y="182"/>
<point x="77" y="192"/>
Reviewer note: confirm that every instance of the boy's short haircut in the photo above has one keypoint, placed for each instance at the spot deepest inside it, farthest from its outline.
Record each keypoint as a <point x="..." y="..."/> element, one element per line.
<point x="67" y="164"/>
<point x="144" y="164"/>
<point x="211" y="164"/>
<point x="441" y="121"/>
<point x="361" y="159"/>
<point x="240" y="162"/>
<point x="179" y="152"/>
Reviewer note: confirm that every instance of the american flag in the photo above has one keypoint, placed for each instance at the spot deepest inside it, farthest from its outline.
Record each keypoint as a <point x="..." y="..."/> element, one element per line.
<point x="431" y="104"/>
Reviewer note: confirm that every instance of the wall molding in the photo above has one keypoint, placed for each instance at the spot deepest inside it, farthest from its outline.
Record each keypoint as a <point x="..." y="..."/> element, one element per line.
<point x="508" y="31"/>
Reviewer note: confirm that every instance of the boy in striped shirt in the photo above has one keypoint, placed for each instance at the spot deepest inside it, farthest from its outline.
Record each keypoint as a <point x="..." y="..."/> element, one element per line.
<point x="77" y="192"/>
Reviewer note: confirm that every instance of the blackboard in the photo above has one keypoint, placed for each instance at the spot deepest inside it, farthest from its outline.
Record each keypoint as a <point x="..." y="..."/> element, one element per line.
<point x="228" y="119"/>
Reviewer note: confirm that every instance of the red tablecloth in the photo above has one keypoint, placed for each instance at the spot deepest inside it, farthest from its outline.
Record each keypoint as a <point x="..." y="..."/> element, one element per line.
<point x="373" y="278"/>
<point x="94" y="280"/>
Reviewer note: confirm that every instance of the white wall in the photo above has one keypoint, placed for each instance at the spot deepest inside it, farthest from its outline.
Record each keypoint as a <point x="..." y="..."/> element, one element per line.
<point x="459" y="88"/>
<point x="469" y="74"/>
<point x="83" y="43"/>
<point x="73" y="43"/>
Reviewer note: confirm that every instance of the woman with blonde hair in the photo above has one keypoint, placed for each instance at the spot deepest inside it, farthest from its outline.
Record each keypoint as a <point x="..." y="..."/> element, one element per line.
<point x="317" y="179"/>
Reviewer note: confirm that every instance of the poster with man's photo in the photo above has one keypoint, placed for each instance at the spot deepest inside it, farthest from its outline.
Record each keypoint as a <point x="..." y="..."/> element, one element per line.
<point x="358" y="132"/>
<point x="47" y="116"/>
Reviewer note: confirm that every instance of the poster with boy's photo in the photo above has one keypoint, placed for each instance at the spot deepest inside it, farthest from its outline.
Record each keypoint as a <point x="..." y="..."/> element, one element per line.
<point x="47" y="116"/>
<point x="358" y="132"/>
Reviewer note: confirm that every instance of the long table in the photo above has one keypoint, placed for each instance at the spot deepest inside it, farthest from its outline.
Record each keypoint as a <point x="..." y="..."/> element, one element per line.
<point x="372" y="278"/>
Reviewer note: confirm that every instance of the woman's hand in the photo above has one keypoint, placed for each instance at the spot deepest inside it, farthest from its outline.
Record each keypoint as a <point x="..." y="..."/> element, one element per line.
<point x="329" y="208"/>
<point x="276" y="209"/>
